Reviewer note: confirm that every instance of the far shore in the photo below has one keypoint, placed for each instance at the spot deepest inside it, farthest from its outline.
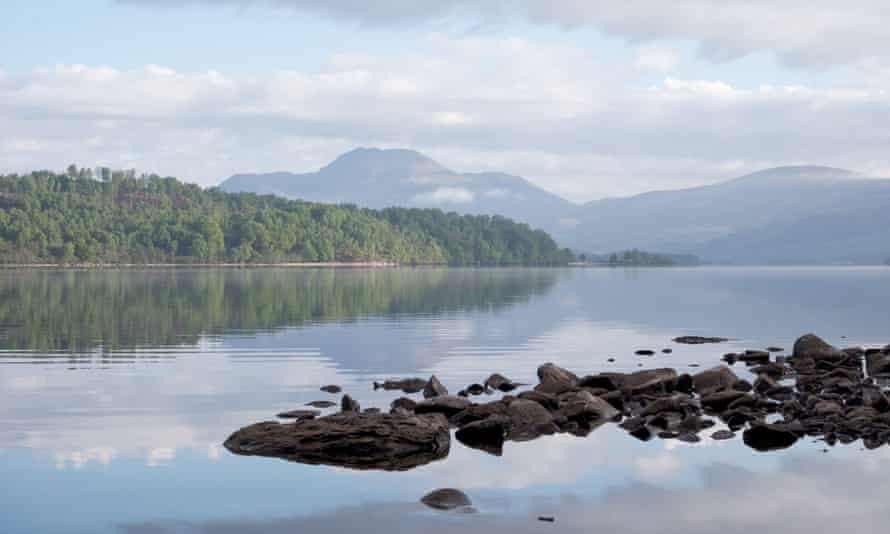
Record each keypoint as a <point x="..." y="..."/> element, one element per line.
<point x="325" y="264"/>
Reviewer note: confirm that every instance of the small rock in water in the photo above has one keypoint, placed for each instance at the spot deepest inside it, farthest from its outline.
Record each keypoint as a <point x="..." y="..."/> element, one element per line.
<point x="447" y="499"/>
<point x="332" y="389"/>
<point x="475" y="389"/>
<point x="321" y="404"/>
<point x="434" y="388"/>
<point x="722" y="435"/>
<point x="610" y="360"/>
<point x="698" y="340"/>
<point x="775" y="349"/>
<point x="644" y="352"/>
<point x="546" y="518"/>
<point x="406" y="385"/>
<point x="348" y="404"/>
<point x="300" y="414"/>
<point x="667" y="351"/>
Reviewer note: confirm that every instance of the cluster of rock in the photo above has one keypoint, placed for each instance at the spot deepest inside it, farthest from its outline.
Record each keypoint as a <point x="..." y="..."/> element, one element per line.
<point x="819" y="391"/>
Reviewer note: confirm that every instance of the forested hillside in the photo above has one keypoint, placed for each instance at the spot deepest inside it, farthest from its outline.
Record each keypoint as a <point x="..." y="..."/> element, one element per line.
<point x="119" y="217"/>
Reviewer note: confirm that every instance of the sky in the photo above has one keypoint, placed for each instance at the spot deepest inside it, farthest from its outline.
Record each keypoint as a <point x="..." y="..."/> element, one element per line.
<point x="584" y="98"/>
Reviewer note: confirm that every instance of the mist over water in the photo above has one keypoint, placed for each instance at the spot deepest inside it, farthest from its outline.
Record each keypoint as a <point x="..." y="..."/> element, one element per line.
<point x="117" y="389"/>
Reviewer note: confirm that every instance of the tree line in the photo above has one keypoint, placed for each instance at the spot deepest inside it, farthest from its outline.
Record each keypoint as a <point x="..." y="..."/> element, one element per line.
<point x="119" y="217"/>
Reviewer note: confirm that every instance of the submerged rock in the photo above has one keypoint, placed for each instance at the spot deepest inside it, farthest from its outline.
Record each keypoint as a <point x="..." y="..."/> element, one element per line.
<point x="699" y="340"/>
<point x="321" y="404"/>
<point x="300" y="414"/>
<point x="487" y="435"/>
<point x="447" y="499"/>
<point x="331" y="389"/>
<point x="349" y="439"/>
<point x="769" y="437"/>
<point x="500" y="382"/>
<point x="447" y="405"/>
<point x="405" y="385"/>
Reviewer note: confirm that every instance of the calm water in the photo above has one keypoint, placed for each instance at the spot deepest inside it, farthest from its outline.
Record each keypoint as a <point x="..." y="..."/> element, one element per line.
<point x="118" y="388"/>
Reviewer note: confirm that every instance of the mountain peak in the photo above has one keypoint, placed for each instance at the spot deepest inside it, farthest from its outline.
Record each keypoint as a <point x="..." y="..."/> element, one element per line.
<point x="375" y="161"/>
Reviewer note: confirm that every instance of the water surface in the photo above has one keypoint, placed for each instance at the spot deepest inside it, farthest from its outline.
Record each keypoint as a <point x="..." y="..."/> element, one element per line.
<point x="117" y="389"/>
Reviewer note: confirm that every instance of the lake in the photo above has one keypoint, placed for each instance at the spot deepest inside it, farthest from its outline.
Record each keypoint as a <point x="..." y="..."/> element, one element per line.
<point x="117" y="389"/>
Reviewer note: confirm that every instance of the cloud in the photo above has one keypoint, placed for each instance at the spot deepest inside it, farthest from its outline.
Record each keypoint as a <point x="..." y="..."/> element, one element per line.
<point x="446" y="195"/>
<point x="568" y="121"/>
<point x="658" y="59"/>
<point x="815" y="33"/>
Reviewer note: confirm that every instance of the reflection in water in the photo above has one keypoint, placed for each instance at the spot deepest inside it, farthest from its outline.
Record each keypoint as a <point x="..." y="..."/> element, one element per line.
<point x="158" y="368"/>
<point x="78" y="310"/>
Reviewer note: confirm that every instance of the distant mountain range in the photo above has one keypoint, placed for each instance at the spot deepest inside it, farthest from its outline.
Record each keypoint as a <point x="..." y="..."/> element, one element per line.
<point x="786" y="215"/>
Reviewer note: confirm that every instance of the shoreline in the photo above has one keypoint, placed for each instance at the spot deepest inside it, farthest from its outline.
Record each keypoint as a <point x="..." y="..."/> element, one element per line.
<point x="326" y="264"/>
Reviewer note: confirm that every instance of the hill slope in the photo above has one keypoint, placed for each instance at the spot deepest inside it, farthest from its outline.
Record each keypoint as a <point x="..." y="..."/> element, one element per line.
<point x="46" y="217"/>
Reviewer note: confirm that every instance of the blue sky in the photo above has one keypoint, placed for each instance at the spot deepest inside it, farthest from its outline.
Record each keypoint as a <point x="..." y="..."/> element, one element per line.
<point x="585" y="99"/>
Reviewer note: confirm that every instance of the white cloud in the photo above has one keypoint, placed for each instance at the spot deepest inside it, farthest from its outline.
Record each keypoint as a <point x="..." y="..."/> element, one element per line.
<point x="552" y="113"/>
<point x="814" y="33"/>
<point x="655" y="58"/>
<point x="446" y="195"/>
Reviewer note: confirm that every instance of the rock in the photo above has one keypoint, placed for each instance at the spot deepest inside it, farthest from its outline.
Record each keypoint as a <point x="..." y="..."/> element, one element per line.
<point x="528" y="420"/>
<point x="650" y="380"/>
<point x="434" y="388"/>
<point x="720" y="401"/>
<point x="300" y="414"/>
<point x="546" y="518"/>
<point x="321" y="404"/>
<point x="598" y="382"/>
<point x="644" y="352"/>
<point x="349" y="439"/>
<point x="667" y="351"/>
<point x="775" y="349"/>
<point x="722" y="435"/>
<point x="546" y="400"/>
<point x="447" y="499"/>
<point x="698" y="340"/>
<point x="500" y="382"/>
<point x="754" y="357"/>
<point x="448" y="405"/>
<point x="555" y="379"/>
<point x="877" y="363"/>
<point x="487" y="435"/>
<point x="815" y="348"/>
<point x="405" y="385"/>
<point x="348" y="404"/>
<point x="714" y="379"/>
<point x="371" y="410"/>
<point x="475" y="389"/>
<point x="583" y="405"/>
<point x="403" y="403"/>
<point x="769" y="437"/>
<point x="331" y="389"/>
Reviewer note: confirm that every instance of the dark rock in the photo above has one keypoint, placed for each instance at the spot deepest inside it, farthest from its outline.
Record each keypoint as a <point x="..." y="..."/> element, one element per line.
<point x="743" y="386"/>
<point x="598" y="382"/>
<point x="684" y="383"/>
<point x="447" y="499"/>
<point x="720" y="401"/>
<point x="487" y="435"/>
<point x="321" y="404"/>
<point x="583" y="405"/>
<point x="348" y="404"/>
<point x="349" y="439"/>
<point x="699" y="340"/>
<point x="647" y="381"/>
<point x="300" y="414"/>
<point x="775" y="349"/>
<point x="714" y="379"/>
<point x="528" y="420"/>
<point x="555" y="379"/>
<point x="815" y="348"/>
<point x="475" y="389"/>
<point x="546" y="518"/>
<point x="403" y="403"/>
<point x="644" y="352"/>
<point x="688" y="438"/>
<point x="722" y="435"/>
<point x="546" y="400"/>
<point x="769" y="437"/>
<point x="877" y="363"/>
<point x="754" y="357"/>
<point x="405" y="385"/>
<point x="331" y="389"/>
<point x="667" y="351"/>
<point x="448" y="405"/>
<point x="434" y="388"/>
<point x="500" y="382"/>
<point x="371" y="410"/>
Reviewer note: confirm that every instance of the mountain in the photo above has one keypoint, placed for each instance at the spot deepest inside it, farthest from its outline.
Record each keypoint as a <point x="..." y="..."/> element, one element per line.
<point x="784" y="215"/>
<point x="803" y="214"/>
<point x="378" y="178"/>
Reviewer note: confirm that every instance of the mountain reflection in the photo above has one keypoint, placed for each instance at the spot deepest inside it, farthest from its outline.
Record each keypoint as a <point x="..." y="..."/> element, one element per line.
<point x="114" y="309"/>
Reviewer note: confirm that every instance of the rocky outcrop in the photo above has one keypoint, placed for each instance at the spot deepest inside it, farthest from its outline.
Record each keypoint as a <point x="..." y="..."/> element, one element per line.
<point x="813" y="347"/>
<point x="353" y="440"/>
